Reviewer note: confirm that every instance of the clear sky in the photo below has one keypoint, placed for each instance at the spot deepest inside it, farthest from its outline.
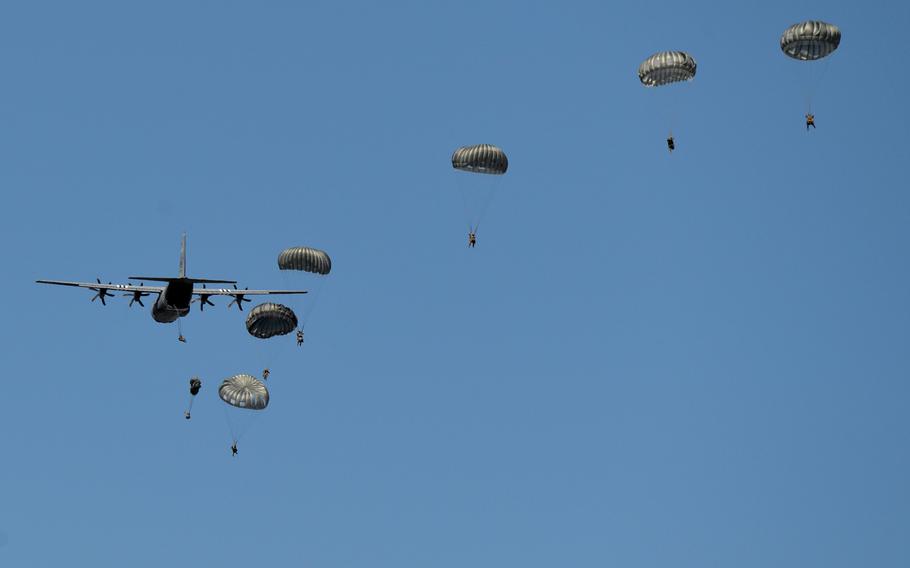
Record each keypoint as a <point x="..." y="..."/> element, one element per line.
<point x="649" y="360"/>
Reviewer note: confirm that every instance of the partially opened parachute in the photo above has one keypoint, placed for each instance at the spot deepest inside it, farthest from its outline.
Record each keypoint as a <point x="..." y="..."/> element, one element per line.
<point x="480" y="159"/>
<point x="666" y="67"/>
<point x="811" y="40"/>
<point x="270" y="319"/>
<point x="244" y="391"/>
<point x="195" y="385"/>
<point x="305" y="259"/>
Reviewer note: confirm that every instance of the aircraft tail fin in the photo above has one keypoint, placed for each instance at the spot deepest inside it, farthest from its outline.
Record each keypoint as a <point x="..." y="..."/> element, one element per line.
<point x="182" y="274"/>
<point x="183" y="257"/>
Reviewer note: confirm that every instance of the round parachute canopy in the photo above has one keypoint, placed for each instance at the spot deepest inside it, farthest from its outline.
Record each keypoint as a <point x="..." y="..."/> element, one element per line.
<point x="808" y="41"/>
<point x="480" y="159"/>
<point x="244" y="391"/>
<point x="195" y="385"/>
<point x="666" y="67"/>
<point x="306" y="259"/>
<point x="269" y="319"/>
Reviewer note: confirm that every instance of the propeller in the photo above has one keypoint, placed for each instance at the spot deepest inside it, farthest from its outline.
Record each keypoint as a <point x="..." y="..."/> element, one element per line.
<point x="137" y="296"/>
<point x="203" y="299"/>
<point x="239" y="299"/>
<point x="101" y="293"/>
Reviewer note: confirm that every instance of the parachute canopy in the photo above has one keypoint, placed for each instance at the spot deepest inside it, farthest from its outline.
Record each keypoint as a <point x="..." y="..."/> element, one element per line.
<point x="195" y="385"/>
<point x="666" y="67"/>
<point x="270" y="319"/>
<point x="811" y="40"/>
<point x="244" y="391"/>
<point x="306" y="259"/>
<point x="480" y="159"/>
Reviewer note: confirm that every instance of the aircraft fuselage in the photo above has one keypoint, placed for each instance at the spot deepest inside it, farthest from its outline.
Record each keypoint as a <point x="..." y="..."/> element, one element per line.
<point x="174" y="302"/>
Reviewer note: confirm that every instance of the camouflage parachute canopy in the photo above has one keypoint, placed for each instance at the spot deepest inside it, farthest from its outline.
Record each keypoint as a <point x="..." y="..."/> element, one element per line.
<point x="811" y="40"/>
<point x="480" y="159"/>
<point x="666" y="67"/>
<point x="305" y="259"/>
<point x="270" y="319"/>
<point x="244" y="391"/>
<point x="195" y="385"/>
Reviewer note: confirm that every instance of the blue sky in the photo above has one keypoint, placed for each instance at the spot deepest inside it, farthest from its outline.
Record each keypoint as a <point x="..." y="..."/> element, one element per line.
<point x="697" y="359"/>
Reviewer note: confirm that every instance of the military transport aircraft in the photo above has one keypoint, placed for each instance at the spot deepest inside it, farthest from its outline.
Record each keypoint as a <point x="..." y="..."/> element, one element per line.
<point x="175" y="296"/>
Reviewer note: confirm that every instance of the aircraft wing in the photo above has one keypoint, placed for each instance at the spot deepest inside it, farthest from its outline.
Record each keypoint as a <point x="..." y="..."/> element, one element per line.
<point x="241" y="292"/>
<point x="97" y="286"/>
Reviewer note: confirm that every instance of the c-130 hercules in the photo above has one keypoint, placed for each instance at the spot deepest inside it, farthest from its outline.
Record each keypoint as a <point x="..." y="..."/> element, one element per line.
<point x="175" y="297"/>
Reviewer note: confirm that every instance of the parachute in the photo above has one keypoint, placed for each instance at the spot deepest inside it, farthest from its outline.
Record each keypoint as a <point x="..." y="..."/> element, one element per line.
<point x="810" y="40"/>
<point x="306" y="259"/>
<point x="244" y="391"/>
<point x="242" y="394"/>
<point x="810" y="43"/>
<point x="480" y="159"/>
<point x="305" y="267"/>
<point x="666" y="67"/>
<point x="195" y="385"/>
<point x="270" y="319"/>
<point x="477" y="191"/>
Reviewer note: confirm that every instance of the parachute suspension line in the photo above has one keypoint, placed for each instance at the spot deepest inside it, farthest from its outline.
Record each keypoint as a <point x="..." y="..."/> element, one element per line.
<point x="269" y="362"/>
<point x="239" y="426"/>
<point x="485" y="200"/>
<point x="817" y="72"/>
<point x="671" y="110"/>
<point x="679" y="102"/>
<point x="466" y="206"/>
<point x="227" y="419"/>
<point x="486" y="204"/>
<point x="189" y="406"/>
<point x="309" y="303"/>
<point x="180" y="331"/>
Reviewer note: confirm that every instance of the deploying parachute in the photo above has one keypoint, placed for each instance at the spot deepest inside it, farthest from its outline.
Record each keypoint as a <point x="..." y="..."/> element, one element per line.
<point x="195" y="385"/>
<point x="665" y="68"/>
<point x="477" y="191"/>
<point x="810" y="41"/>
<point x="244" y="391"/>
<point x="270" y="319"/>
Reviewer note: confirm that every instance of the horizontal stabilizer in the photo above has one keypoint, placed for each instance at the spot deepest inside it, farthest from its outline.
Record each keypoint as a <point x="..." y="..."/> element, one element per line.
<point x="210" y="281"/>
<point x="154" y="278"/>
<point x="172" y="279"/>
